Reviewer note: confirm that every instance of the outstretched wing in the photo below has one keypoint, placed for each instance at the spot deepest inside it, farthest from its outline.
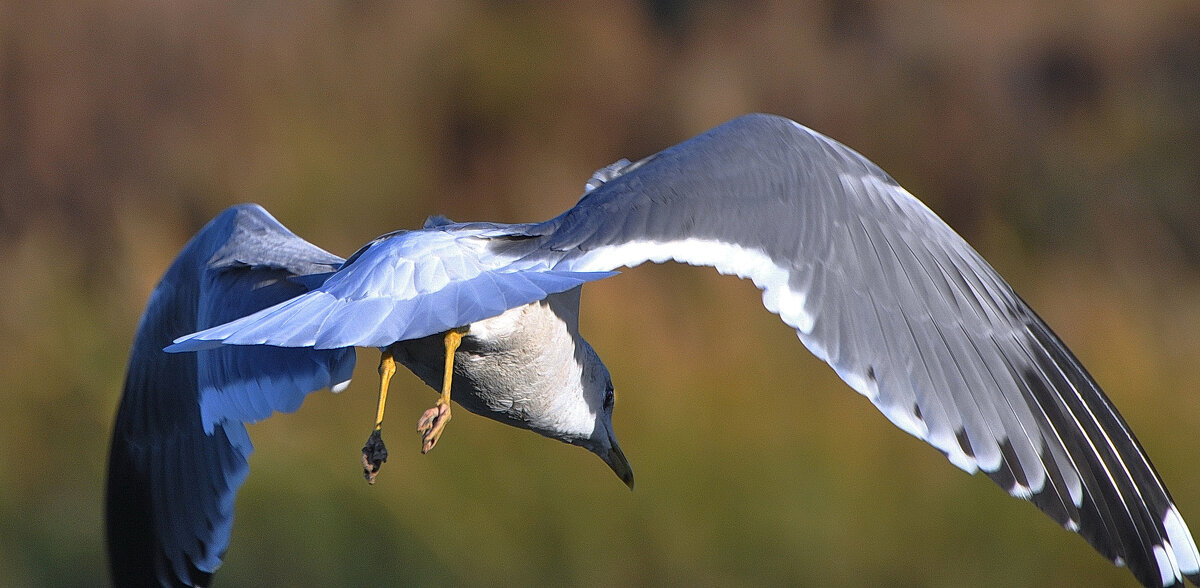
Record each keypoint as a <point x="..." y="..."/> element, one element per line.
<point x="179" y="445"/>
<point x="903" y="309"/>
<point x="403" y="285"/>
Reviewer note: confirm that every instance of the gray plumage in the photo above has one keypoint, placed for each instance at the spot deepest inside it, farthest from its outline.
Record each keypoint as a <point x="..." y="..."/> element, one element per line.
<point x="874" y="283"/>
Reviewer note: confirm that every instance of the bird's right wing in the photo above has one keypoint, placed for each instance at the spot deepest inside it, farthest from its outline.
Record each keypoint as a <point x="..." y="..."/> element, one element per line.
<point x="899" y="305"/>
<point x="179" y="444"/>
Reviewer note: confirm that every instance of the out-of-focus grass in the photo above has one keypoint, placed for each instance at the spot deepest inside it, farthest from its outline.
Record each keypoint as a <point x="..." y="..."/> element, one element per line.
<point x="1062" y="142"/>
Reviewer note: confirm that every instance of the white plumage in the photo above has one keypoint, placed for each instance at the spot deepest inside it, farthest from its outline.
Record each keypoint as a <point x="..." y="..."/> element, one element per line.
<point x="874" y="283"/>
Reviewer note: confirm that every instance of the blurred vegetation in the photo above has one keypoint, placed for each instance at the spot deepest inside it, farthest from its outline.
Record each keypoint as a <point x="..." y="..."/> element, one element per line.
<point x="1061" y="139"/>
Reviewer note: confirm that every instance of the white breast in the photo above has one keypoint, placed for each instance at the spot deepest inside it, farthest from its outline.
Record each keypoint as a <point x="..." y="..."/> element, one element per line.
<point x="524" y="367"/>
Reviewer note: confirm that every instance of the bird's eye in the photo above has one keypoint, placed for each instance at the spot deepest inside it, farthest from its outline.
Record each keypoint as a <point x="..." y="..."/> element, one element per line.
<point x="610" y="397"/>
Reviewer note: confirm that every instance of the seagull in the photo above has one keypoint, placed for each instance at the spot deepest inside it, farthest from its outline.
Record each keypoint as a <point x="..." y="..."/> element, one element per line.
<point x="250" y="318"/>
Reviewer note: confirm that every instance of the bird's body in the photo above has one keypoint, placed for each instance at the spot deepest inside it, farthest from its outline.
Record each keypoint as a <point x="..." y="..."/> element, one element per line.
<point x="874" y="283"/>
<point x="537" y="344"/>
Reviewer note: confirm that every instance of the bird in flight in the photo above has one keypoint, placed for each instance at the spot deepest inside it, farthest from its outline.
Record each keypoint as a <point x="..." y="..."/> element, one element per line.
<point x="250" y="318"/>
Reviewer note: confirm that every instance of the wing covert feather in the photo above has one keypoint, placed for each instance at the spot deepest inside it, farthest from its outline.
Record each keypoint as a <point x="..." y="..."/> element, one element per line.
<point x="902" y="308"/>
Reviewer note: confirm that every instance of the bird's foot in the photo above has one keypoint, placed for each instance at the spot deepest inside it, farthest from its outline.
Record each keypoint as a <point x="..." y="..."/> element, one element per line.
<point x="432" y="423"/>
<point x="374" y="453"/>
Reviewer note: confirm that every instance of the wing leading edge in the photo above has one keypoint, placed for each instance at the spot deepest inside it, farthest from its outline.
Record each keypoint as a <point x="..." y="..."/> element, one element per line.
<point x="902" y="308"/>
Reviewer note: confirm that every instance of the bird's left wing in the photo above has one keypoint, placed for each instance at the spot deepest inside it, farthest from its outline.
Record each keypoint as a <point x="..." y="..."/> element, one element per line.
<point x="899" y="305"/>
<point x="403" y="285"/>
<point x="179" y="445"/>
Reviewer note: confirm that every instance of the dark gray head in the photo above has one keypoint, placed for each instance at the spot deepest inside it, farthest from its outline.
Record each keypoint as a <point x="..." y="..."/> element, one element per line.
<point x="582" y="412"/>
<point x="603" y="441"/>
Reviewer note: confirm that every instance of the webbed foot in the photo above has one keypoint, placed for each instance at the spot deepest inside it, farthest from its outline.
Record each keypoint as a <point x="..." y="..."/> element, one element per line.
<point x="432" y="423"/>
<point x="374" y="453"/>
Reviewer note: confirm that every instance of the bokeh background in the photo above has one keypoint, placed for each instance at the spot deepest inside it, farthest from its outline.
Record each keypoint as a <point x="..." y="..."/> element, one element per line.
<point x="1061" y="139"/>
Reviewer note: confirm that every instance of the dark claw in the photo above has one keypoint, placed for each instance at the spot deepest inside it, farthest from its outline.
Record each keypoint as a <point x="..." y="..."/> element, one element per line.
<point x="374" y="453"/>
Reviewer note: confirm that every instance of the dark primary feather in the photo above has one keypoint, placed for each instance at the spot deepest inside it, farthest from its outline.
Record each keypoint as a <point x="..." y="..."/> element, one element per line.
<point x="877" y="285"/>
<point x="901" y="307"/>
<point x="172" y="476"/>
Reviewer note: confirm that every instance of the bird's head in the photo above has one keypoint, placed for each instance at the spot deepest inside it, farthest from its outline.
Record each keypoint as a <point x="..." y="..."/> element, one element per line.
<point x="530" y="368"/>
<point x="587" y="421"/>
<point x="603" y="442"/>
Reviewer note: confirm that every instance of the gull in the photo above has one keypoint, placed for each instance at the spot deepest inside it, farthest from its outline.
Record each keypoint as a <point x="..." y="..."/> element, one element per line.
<point x="250" y="318"/>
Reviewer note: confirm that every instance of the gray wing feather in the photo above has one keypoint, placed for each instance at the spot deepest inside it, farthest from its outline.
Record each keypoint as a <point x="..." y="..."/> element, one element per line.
<point x="179" y="446"/>
<point x="900" y="306"/>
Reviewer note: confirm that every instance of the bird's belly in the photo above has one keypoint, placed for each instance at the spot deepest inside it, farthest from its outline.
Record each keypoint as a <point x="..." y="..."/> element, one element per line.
<point x="510" y="367"/>
<point x="482" y="382"/>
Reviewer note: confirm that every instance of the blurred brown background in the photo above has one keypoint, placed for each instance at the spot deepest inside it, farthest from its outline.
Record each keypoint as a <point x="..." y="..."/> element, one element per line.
<point x="1061" y="139"/>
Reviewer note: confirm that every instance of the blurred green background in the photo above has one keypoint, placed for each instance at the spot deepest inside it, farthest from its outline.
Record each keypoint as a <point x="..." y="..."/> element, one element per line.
<point x="1061" y="139"/>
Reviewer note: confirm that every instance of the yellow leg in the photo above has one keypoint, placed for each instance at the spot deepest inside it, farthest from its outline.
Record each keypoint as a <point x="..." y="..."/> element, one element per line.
<point x="453" y="339"/>
<point x="387" y="369"/>
<point x="433" y="422"/>
<point x="375" y="452"/>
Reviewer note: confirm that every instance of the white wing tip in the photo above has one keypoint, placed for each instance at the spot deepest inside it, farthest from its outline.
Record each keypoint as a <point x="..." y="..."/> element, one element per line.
<point x="1166" y="565"/>
<point x="1021" y="491"/>
<point x="1181" y="541"/>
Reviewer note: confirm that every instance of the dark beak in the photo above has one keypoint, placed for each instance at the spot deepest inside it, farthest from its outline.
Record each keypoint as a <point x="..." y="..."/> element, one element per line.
<point x="620" y="466"/>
